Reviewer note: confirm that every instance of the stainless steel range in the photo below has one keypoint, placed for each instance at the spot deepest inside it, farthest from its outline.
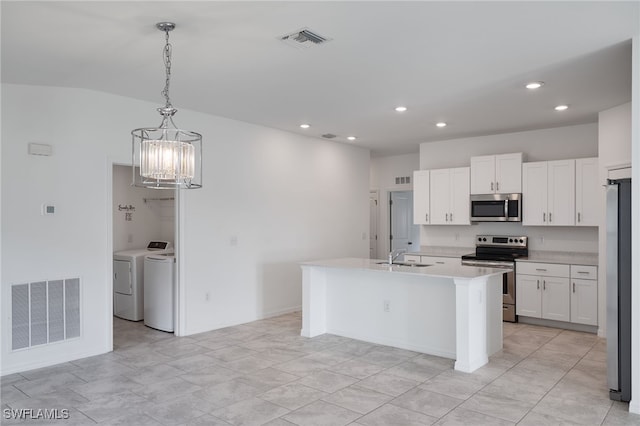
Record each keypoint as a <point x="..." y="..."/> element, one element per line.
<point x="501" y="251"/>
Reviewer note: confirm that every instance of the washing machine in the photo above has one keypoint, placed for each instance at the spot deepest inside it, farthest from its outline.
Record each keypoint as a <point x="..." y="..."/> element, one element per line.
<point x="159" y="291"/>
<point x="128" y="279"/>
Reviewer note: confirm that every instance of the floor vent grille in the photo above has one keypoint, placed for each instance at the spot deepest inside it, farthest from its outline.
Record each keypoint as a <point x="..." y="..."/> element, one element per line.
<point x="44" y="312"/>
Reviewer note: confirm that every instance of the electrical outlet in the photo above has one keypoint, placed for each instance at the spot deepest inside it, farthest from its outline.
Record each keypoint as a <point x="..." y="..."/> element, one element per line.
<point x="206" y="296"/>
<point x="386" y="305"/>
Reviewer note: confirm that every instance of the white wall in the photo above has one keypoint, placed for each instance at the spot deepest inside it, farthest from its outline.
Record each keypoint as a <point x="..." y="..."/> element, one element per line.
<point x="150" y="220"/>
<point x="382" y="178"/>
<point x="538" y="145"/>
<point x="285" y="197"/>
<point x="270" y="199"/>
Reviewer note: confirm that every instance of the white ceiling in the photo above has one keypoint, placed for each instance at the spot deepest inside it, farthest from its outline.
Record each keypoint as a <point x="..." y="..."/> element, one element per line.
<point x="461" y="62"/>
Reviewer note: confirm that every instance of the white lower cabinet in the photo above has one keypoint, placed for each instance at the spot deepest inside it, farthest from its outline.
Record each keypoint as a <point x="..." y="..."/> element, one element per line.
<point x="432" y="260"/>
<point x="584" y="294"/>
<point x="550" y="291"/>
<point x="542" y="291"/>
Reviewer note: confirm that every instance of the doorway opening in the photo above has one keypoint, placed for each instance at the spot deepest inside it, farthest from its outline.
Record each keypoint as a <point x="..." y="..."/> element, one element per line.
<point x="143" y="223"/>
<point x="403" y="233"/>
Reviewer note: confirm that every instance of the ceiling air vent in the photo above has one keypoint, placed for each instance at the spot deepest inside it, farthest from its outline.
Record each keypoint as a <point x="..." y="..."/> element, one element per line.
<point x="329" y="136"/>
<point x="304" y="38"/>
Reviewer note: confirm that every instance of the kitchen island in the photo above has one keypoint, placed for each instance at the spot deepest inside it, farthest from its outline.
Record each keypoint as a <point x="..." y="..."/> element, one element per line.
<point x="448" y="311"/>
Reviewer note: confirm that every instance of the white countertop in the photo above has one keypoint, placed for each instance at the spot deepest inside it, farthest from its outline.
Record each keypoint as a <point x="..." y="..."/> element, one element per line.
<point x="442" y="271"/>
<point x="570" y="258"/>
<point x="444" y="251"/>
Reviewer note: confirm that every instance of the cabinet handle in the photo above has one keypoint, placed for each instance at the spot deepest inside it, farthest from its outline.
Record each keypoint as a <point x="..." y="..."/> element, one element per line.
<point x="544" y="217"/>
<point x="497" y="186"/>
<point x="578" y="217"/>
<point x="451" y="217"/>
<point x="440" y="263"/>
<point x="538" y="284"/>
<point x="583" y="272"/>
<point x="492" y="186"/>
<point x="544" y="284"/>
<point x="426" y="217"/>
<point x="541" y="270"/>
<point x="574" y="287"/>
<point x="549" y="217"/>
<point x="446" y="217"/>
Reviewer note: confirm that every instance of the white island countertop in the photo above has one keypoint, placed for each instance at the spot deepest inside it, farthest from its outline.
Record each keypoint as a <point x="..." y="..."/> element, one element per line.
<point x="442" y="271"/>
<point x="452" y="311"/>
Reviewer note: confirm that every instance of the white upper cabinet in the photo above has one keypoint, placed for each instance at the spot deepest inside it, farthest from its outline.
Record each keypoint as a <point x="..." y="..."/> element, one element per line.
<point x="534" y="193"/>
<point x="561" y="192"/>
<point x="548" y="193"/>
<point x="460" y="196"/>
<point x="588" y="192"/>
<point x="483" y="174"/>
<point x="421" y="197"/>
<point x="496" y="174"/>
<point x="440" y="196"/>
<point x="449" y="190"/>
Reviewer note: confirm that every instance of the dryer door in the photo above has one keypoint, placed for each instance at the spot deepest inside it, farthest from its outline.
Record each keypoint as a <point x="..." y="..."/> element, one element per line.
<point x="122" y="277"/>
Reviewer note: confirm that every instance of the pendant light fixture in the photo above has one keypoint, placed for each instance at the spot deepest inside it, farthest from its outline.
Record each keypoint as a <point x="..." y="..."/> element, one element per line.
<point x="166" y="157"/>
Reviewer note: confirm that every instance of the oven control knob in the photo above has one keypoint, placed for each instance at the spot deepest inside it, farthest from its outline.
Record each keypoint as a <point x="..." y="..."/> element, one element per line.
<point x="479" y="239"/>
<point x="484" y="239"/>
<point x="521" y="241"/>
<point x="510" y="240"/>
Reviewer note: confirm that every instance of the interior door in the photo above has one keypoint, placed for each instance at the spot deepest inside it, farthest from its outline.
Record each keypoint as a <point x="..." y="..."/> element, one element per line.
<point x="373" y="225"/>
<point x="122" y="277"/>
<point x="404" y="234"/>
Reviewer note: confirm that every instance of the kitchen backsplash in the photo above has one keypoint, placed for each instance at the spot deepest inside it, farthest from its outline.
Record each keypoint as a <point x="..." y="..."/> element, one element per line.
<point x="571" y="239"/>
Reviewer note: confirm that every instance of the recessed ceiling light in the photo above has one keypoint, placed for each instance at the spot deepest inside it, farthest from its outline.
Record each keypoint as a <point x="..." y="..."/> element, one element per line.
<point x="401" y="109"/>
<point x="534" y="85"/>
<point x="305" y="126"/>
<point x="562" y="107"/>
<point x="351" y="138"/>
<point x="441" y="124"/>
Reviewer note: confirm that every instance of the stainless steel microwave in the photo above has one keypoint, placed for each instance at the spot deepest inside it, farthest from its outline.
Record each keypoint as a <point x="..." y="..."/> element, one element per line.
<point x="496" y="208"/>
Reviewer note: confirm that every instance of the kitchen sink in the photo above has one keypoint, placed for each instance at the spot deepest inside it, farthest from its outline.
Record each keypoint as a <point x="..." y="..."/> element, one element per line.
<point x="411" y="264"/>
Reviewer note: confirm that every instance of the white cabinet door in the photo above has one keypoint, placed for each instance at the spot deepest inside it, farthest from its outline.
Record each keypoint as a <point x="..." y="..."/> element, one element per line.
<point x="534" y="193"/>
<point x="528" y="295"/>
<point x="483" y="174"/>
<point x="437" y="260"/>
<point x="561" y="189"/>
<point x="421" y="197"/>
<point x="588" y="192"/>
<point x="459" y="201"/>
<point x="440" y="190"/>
<point x="556" y="299"/>
<point x="508" y="173"/>
<point x="413" y="258"/>
<point x="584" y="301"/>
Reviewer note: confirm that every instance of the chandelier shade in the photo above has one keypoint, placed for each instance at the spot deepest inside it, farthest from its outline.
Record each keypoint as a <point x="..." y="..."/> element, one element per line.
<point x="166" y="157"/>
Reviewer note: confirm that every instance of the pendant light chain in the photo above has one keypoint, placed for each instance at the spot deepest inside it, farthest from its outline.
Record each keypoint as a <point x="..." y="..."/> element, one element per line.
<point x="166" y="53"/>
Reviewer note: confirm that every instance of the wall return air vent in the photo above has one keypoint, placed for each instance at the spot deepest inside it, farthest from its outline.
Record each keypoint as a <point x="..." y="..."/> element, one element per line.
<point x="304" y="38"/>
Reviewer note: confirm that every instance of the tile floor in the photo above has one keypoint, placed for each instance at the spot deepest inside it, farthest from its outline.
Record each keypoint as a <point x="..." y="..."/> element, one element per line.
<point x="264" y="372"/>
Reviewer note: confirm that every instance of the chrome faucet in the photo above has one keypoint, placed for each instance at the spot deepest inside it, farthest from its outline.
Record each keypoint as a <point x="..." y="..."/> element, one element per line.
<point x="393" y="255"/>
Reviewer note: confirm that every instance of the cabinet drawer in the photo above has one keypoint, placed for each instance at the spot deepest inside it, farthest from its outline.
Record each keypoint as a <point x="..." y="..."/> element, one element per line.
<point x="584" y="272"/>
<point x="436" y="260"/>
<point x="543" y="269"/>
<point x="412" y="258"/>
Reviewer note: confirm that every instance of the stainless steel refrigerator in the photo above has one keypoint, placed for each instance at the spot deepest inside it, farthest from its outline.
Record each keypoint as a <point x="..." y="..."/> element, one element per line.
<point x="619" y="289"/>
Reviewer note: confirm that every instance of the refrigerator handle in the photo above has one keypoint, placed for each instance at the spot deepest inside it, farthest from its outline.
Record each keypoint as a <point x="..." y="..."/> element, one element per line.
<point x="612" y="287"/>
